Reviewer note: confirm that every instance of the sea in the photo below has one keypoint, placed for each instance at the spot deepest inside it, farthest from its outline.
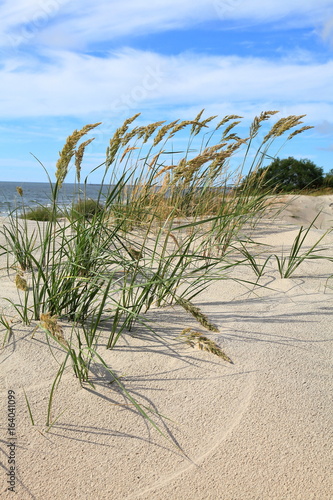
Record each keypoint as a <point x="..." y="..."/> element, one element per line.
<point x="39" y="193"/>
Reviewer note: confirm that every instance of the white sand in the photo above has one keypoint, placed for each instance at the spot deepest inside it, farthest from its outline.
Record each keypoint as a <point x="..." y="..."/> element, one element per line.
<point x="258" y="429"/>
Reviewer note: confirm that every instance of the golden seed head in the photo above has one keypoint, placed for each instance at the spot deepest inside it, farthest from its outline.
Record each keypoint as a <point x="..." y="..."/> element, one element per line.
<point x="165" y="184"/>
<point x="197" y="119"/>
<point x="19" y="190"/>
<point x="127" y="150"/>
<point x="21" y="283"/>
<point x="229" y="127"/>
<point x="197" y="314"/>
<point x="227" y="119"/>
<point x="197" y="339"/>
<point x="153" y="162"/>
<point x="163" y="130"/>
<point x="283" y="125"/>
<point x="163" y="170"/>
<point x="123" y="129"/>
<point x="150" y="129"/>
<point x="299" y="131"/>
<point x="50" y="323"/>
<point x="79" y="157"/>
<point x="180" y="126"/>
<point x="68" y="151"/>
<point x="118" y="139"/>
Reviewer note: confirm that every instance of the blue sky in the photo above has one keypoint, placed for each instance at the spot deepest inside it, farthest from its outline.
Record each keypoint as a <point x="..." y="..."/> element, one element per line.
<point x="65" y="63"/>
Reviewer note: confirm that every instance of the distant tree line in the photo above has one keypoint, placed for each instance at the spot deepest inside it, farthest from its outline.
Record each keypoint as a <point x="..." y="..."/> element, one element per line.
<point x="289" y="174"/>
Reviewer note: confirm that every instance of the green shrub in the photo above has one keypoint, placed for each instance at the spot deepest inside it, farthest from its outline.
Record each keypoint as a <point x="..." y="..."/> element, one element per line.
<point x="289" y="174"/>
<point x="87" y="208"/>
<point x="40" y="213"/>
<point x="328" y="179"/>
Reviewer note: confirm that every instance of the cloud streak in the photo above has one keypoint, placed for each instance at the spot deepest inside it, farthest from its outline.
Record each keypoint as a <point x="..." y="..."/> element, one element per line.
<point x="64" y="63"/>
<point x="75" y="84"/>
<point x="79" y="23"/>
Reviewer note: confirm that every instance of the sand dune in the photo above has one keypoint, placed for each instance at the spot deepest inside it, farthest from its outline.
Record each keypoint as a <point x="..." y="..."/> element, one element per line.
<point x="258" y="429"/>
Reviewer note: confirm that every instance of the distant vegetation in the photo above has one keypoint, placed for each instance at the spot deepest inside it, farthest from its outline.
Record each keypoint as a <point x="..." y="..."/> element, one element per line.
<point x="40" y="213"/>
<point x="328" y="179"/>
<point x="292" y="175"/>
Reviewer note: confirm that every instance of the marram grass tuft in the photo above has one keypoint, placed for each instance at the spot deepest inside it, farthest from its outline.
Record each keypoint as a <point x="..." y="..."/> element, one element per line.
<point x="165" y="224"/>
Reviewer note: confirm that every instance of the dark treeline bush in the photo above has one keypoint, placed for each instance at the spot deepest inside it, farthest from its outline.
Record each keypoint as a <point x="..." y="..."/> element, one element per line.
<point x="289" y="174"/>
<point x="328" y="180"/>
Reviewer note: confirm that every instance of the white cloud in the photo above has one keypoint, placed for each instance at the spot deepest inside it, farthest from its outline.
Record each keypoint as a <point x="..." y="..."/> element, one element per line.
<point x="325" y="128"/>
<point x="76" y="23"/>
<point x="79" y="85"/>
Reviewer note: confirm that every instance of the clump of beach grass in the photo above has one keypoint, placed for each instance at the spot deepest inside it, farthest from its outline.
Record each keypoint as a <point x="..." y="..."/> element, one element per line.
<point x="40" y="213"/>
<point x="85" y="207"/>
<point x="161" y="229"/>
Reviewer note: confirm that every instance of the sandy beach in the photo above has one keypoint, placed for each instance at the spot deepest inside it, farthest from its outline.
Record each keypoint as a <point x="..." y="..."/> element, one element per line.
<point x="258" y="429"/>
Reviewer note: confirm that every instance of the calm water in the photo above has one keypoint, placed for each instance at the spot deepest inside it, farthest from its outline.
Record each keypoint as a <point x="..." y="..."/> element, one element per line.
<point x="39" y="193"/>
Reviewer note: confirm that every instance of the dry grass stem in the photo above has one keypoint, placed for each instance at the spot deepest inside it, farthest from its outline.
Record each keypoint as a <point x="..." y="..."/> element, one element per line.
<point x="150" y="129"/>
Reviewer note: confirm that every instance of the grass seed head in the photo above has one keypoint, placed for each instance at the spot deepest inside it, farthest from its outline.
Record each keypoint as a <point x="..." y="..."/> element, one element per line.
<point x="50" y="323"/>
<point x="226" y="119"/>
<point x="298" y="131"/>
<point x="79" y="157"/>
<point x="182" y="125"/>
<point x="163" y="130"/>
<point x="21" y="283"/>
<point x="283" y="125"/>
<point x="229" y="127"/>
<point x="117" y="140"/>
<point x="197" y="339"/>
<point x="197" y="119"/>
<point x="150" y="129"/>
<point x="163" y="170"/>
<point x="197" y="314"/>
<point x="68" y="151"/>
<point x="127" y="150"/>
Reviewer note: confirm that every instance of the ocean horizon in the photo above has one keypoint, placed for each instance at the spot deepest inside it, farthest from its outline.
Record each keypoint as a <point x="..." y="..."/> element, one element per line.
<point x="39" y="193"/>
